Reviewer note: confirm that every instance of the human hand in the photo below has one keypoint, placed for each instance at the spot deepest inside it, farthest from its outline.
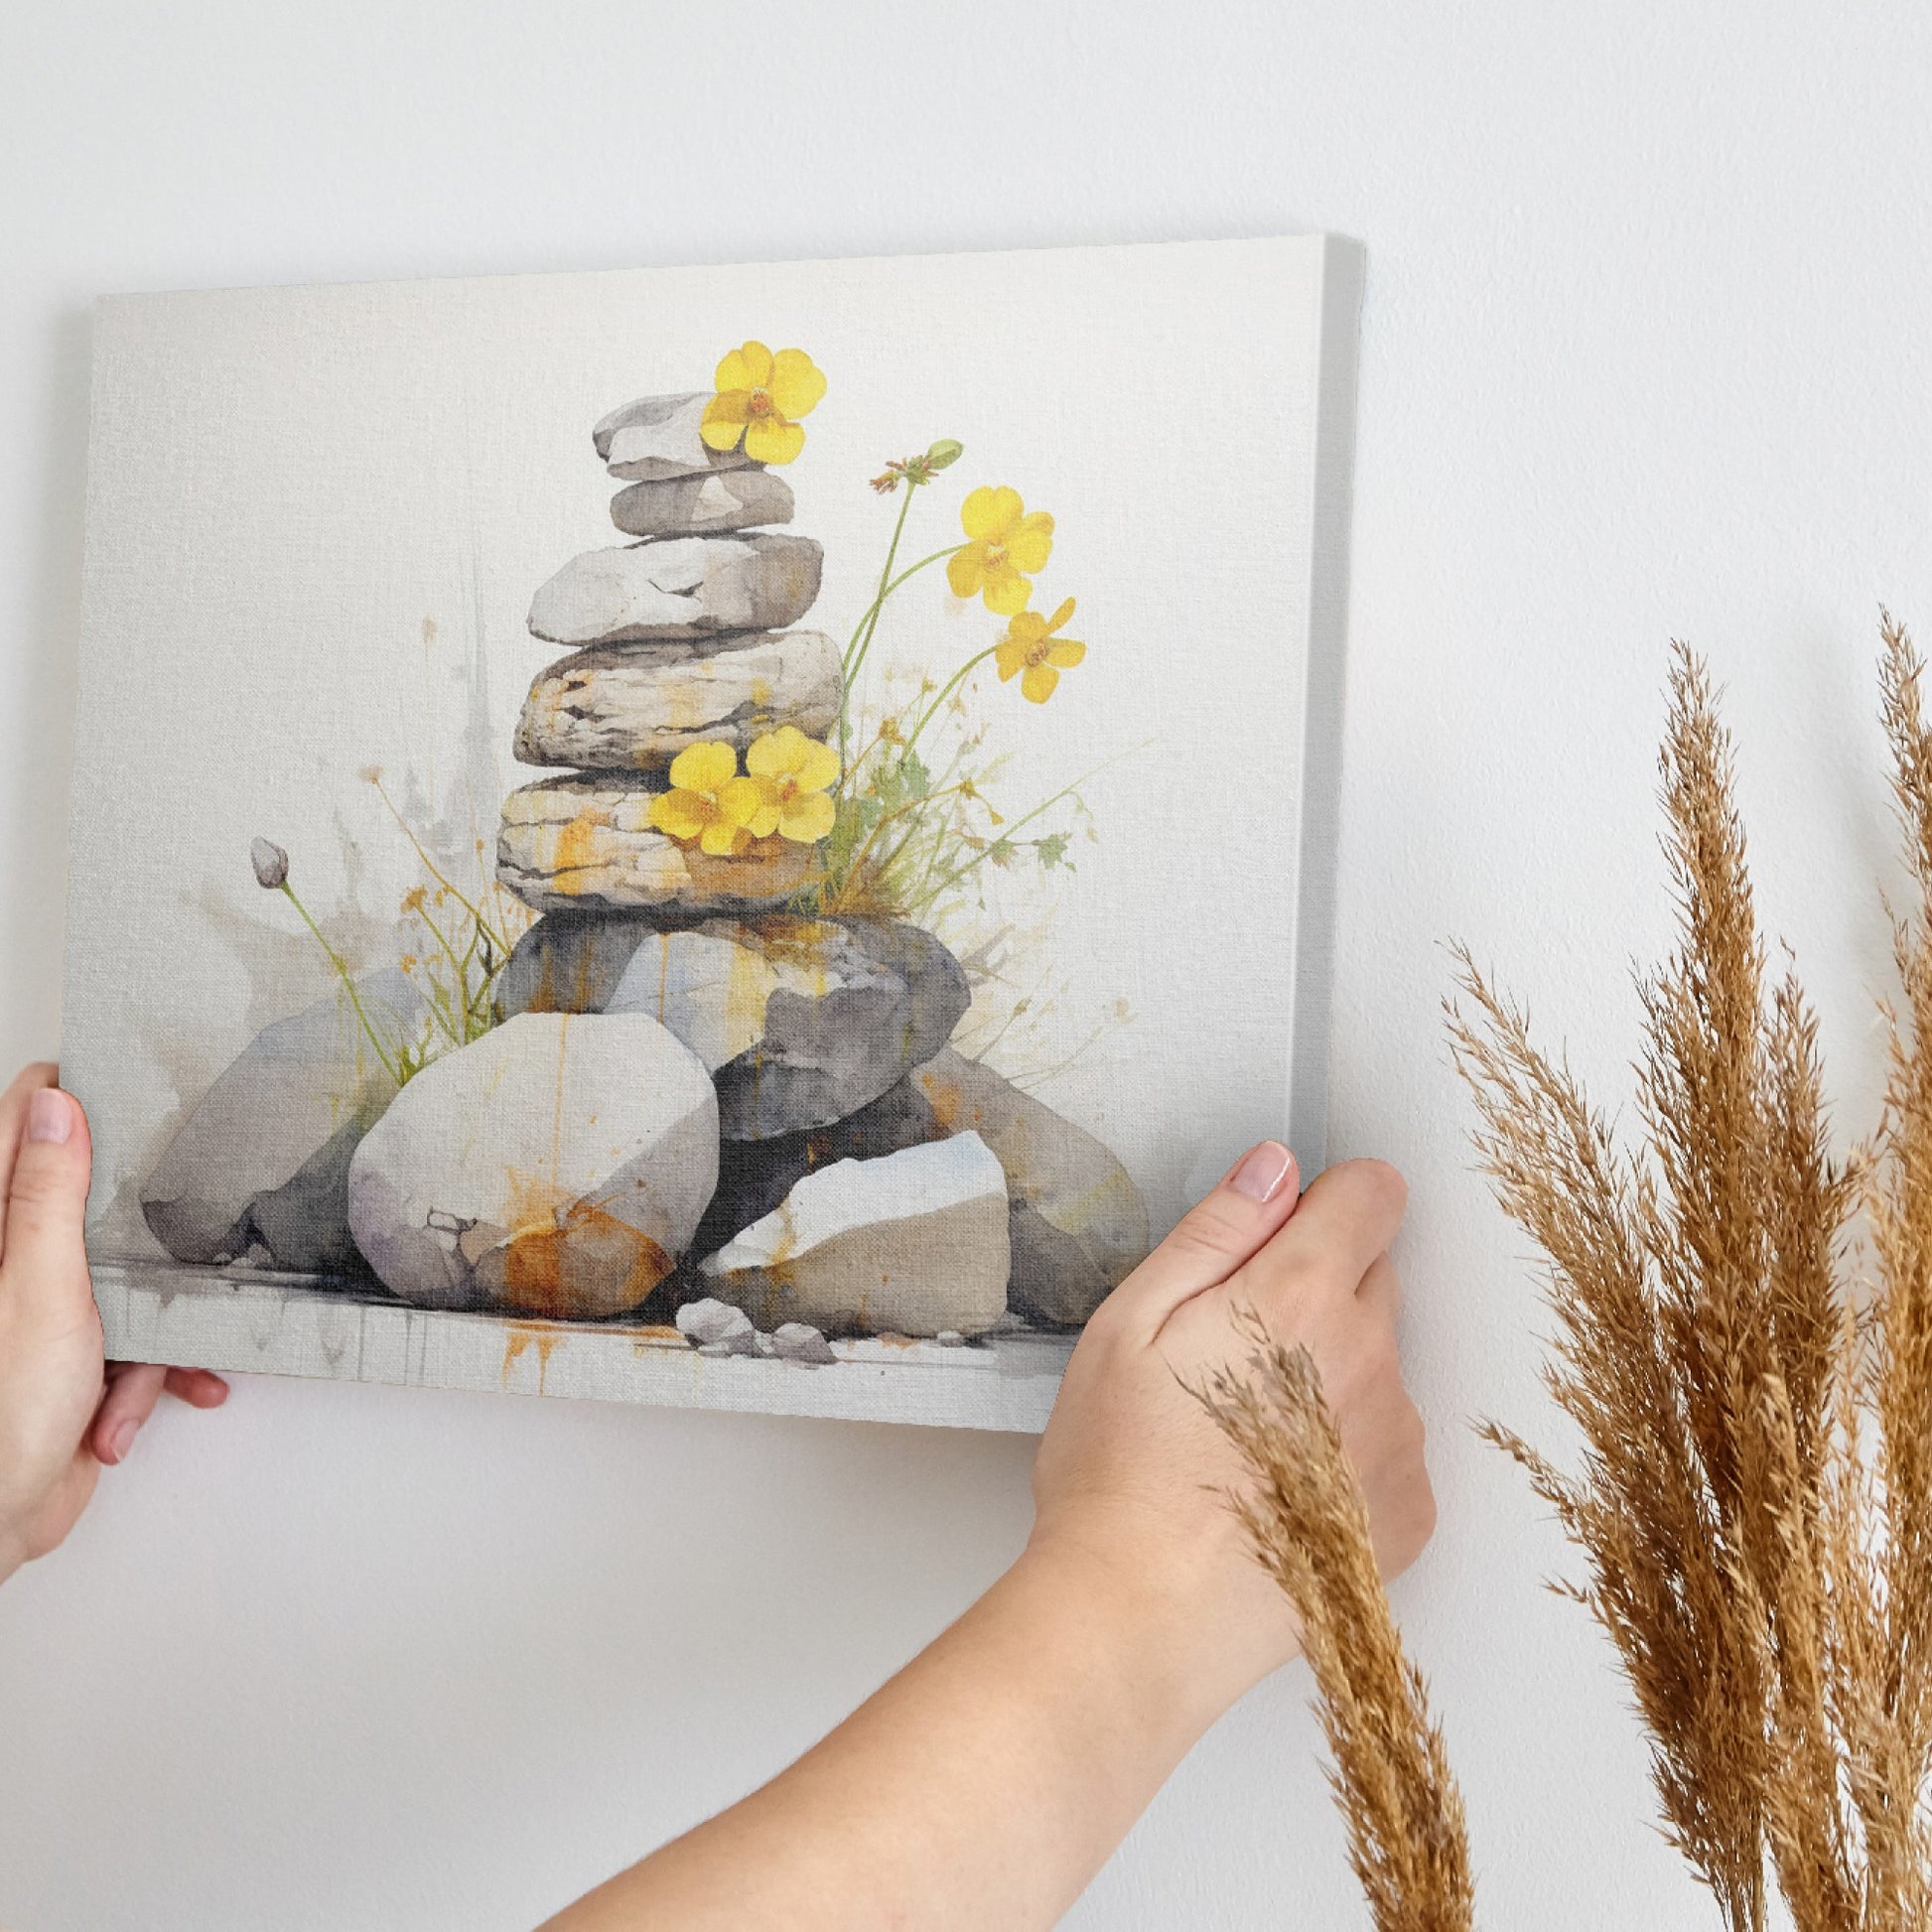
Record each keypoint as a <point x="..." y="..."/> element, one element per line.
<point x="64" y="1411"/>
<point x="1130" y="1474"/>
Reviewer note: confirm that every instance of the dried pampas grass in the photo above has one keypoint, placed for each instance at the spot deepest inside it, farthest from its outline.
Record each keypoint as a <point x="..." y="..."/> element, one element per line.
<point x="1308" y="1522"/>
<point x="1753" y="1389"/>
<point x="1754" y="1496"/>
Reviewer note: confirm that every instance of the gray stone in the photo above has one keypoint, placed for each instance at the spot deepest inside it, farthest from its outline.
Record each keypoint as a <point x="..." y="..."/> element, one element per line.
<point x="803" y="1021"/>
<point x="1079" y="1225"/>
<point x="558" y="1165"/>
<point x="656" y="437"/>
<point x="679" y="587"/>
<point x="913" y="1243"/>
<point x="261" y="1162"/>
<point x="799" y="1341"/>
<point x="579" y="843"/>
<point x="950" y="1338"/>
<point x="754" y="1177"/>
<point x="626" y="707"/>
<point x="707" y="505"/>
<point x="705" y="1321"/>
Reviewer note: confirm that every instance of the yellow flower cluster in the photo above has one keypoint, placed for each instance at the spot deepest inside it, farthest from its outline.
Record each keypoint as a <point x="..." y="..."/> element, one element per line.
<point x="1004" y="541"/>
<point x="782" y="792"/>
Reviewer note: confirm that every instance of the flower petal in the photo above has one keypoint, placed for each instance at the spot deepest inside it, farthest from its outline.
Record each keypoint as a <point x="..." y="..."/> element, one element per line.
<point x="817" y="767"/>
<point x="1031" y="541"/>
<point x="1059" y="617"/>
<point x="1038" y="682"/>
<point x="704" y="766"/>
<point x="742" y="800"/>
<point x="809" y="820"/>
<point x="724" y="420"/>
<point x="1065" y="652"/>
<point x="796" y="383"/>
<point x="1007" y="592"/>
<point x="680" y="813"/>
<point x="963" y="569"/>
<point x="1009" y="658"/>
<point x="1026" y="629"/>
<point x="777" y="753"/>
<point x="749" y="366"/>
<point x="721" y="840"/>
<point x="987" y="513"/>
<point x="773" y="440"/>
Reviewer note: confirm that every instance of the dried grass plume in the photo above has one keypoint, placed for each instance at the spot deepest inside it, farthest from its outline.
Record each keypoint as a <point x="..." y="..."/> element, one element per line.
<point x="1753" y="1501"/>
<point x="1308" y="1521"/>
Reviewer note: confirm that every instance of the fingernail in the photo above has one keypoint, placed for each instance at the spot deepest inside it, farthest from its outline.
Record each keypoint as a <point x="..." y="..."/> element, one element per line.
<point x="1263" y="1172"/>
<point x="121" y="1439"/>
<point x="49" y="1115"/>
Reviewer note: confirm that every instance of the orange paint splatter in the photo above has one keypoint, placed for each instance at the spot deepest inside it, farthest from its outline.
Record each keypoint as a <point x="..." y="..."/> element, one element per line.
<point x="576" y="848"/>
<point x="518" y="1340"/>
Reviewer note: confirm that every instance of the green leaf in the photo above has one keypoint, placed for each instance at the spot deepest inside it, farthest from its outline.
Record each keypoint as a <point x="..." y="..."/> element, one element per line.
<point x="1052" y="851"/>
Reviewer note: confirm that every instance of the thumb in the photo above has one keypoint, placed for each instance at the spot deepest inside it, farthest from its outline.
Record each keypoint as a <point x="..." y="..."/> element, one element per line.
<point x="1209" y="1242"/>
<point x="44" y="1263"/>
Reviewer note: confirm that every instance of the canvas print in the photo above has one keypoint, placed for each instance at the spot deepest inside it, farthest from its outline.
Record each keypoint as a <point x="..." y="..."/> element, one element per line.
<point x="794" y="949"/>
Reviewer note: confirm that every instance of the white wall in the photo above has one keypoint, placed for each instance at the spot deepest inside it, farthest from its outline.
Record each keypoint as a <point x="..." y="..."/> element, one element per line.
<point x="1643" y="356"/>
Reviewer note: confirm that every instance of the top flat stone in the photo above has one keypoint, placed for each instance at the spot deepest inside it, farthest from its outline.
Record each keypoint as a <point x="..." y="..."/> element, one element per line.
<point x="656" y="437"/>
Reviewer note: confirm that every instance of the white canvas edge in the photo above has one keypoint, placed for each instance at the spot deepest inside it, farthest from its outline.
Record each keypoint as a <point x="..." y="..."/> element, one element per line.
<point x="1343" y="265"/>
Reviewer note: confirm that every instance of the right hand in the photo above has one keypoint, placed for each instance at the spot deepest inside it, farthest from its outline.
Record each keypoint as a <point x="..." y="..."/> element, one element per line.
<point x="1131" y="1473"/>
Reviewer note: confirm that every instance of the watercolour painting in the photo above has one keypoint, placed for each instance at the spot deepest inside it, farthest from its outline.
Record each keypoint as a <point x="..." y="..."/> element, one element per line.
<point x="731" y="836"/>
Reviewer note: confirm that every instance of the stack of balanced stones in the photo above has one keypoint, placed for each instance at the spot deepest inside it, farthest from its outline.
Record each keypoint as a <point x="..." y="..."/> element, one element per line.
<point x="694" y="720"/>
<point x="677" y="640"/>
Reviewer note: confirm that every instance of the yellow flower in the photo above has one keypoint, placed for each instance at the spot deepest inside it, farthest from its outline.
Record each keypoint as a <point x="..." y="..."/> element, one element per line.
<point x="1031" y="650"/>
<point x="760" y="398"/>
<point x="793" y="773"/>
<point x="706" y="800"/>
<point x="1002" y="542"/>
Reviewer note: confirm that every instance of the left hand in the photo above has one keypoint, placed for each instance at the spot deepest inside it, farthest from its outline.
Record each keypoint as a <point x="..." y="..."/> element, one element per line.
<point x="65" y="1412"/>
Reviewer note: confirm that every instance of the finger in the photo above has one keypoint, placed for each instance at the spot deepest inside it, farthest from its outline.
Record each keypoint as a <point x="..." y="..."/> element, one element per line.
<point x="12" y="1125"/>
<point x="1214" y="1238"/>
<point x="44" y="1266"/>
<point x="1380" y="1293"/>
<point x="199" y="1388"/>
<point x="128" y="1403"/>
<point x="1347" y="1217"/>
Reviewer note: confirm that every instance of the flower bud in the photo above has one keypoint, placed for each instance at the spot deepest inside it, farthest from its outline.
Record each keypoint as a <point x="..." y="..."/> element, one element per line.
<point x="944" y="453"/>
<point x="271" y="863"/>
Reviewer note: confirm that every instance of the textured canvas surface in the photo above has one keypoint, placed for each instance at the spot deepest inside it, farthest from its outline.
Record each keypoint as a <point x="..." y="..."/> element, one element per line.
<point x="739" y="836"/>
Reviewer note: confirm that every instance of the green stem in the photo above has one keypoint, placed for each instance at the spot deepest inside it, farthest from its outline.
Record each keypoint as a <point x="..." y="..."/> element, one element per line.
<point x="348" y="983"/>
<point x="915" y="807"/>
<point x="1025" y="818"/>
<point x="461" y="972"/>
<point x="436" y="872"/>
<point x="869" y="623"/>
<point x="846" y="661"/>
<point x="952" y="684"/>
